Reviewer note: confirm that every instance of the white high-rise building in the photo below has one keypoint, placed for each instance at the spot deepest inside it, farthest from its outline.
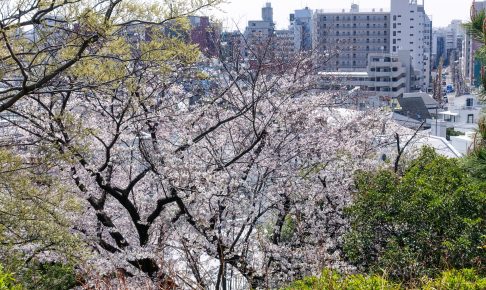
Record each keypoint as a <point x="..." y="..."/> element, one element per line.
<point x="301" y="25"/>
<point x="267" y="13"/>
<point x="411" y="30"/>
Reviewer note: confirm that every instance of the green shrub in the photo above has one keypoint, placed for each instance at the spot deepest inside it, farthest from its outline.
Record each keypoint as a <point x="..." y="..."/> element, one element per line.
<point x="465" y="280"/>
<point x="428" y="220"/>
<point x="451" y="132"/>
<point x="331" y="280"/>
<point x="52" y="276"/>
<point x="450" y="280"/>
<point x="7" y="281"/>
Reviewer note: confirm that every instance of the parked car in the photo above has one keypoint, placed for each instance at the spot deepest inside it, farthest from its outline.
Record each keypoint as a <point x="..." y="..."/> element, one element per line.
<point x="450" y="88"/>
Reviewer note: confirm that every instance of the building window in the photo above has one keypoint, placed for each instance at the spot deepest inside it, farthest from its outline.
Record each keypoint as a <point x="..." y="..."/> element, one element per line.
<point x="470" y="118"/>
<point x="469" y="102"/>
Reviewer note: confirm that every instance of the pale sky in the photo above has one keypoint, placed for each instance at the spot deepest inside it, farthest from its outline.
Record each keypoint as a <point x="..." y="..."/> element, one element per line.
<point x="238" y="12"/>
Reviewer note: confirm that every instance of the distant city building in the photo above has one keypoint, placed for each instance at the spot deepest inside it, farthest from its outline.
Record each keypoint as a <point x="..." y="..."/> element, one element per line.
<point x="412" y="31"/>
<point x="232" y="44"/>
<point x="439" y="49"/>
<point x="283" y="43"/>
<point x="258" y="32"/>
<point x="205" y="34"/>
<point x="267" y="13"/>
<point x="301" y="25"/>
<point x="350" y="36"/>
<point x="447" y="42"/>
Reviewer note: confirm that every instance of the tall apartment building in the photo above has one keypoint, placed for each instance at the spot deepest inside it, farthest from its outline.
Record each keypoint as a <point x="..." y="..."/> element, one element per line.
<point x="301" y="25"/>
<point x="411" y="30"/>
<point x="261" y="35"/>
<point x="447" y="41"/>
<point x="438" y="49"/>
<point x="258" y="32"/>
<point x="267" y="12"/>
<point x="350" y="36"/>
<point x="283" y="43"/>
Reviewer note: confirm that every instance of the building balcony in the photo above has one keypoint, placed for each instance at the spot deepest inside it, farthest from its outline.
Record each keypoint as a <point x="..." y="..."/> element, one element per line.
<point x="393" y="74"/>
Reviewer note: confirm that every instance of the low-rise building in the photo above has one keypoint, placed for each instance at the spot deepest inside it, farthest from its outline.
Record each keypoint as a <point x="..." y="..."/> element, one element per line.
<point x="458" y="122"/>
<point x="384" y="79"/>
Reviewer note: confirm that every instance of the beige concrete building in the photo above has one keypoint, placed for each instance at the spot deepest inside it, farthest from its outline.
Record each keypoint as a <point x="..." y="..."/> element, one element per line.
<point x="350" y="36"/>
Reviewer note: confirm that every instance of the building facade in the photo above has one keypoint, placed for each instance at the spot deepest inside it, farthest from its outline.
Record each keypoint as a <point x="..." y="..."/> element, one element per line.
<point x="301" y="25"/>
<point x="350" y="36"/>
<point x="383" y="80"/>
<point x="411" y="30"/>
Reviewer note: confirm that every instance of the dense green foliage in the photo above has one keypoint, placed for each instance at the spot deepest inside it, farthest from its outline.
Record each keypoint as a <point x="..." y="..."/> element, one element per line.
<point x="475" y="162"/>
<point x="451" y="132"/>
<point x="34" y="226"/>
<point x="330" y="280"/>
<point x="7" y="281"/>
<point x="53" y="276"/>
<point x="428" y="220"/>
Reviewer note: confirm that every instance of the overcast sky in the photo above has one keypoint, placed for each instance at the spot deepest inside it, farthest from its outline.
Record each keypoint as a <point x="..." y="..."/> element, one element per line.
<point x="238" y="12"/>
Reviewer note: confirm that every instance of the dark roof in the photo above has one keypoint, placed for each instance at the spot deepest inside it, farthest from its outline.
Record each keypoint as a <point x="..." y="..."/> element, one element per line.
<point x="414" y="108"/>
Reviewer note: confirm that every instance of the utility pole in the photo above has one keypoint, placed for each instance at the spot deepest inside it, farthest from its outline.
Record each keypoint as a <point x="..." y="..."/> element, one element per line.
<point x="437" y="94"/>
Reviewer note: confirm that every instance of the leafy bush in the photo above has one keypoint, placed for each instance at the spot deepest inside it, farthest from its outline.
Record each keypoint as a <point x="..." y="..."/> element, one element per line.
<point x="465" y="280"/>
<point x="451" y="132"/>
<point x="426" y="221"/>
<point x="52" y="276"/>
<point x="7" y="281"/>
<point x="330" y="280"/>
<point x="475" y="162"/>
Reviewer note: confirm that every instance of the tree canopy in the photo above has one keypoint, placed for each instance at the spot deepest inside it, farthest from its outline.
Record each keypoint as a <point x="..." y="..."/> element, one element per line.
<point x="429" y="219"/>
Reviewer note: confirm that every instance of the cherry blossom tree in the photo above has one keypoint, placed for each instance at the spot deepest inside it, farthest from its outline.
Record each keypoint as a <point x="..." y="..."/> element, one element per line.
<point x="41" y="39"/>
<point x="188" y="175"/>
